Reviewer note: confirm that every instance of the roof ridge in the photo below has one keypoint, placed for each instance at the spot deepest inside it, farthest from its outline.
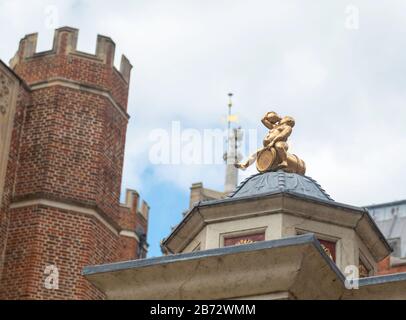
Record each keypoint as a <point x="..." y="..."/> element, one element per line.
<point x="319" y="187"/>
<point x="281" y="180"/>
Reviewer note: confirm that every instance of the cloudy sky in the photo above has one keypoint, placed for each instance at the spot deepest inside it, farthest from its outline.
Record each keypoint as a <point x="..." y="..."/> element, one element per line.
<point x="337" y="67"/>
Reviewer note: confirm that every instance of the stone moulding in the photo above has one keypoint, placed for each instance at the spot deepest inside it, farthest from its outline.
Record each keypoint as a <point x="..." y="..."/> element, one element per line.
<point x="8" y="99"/>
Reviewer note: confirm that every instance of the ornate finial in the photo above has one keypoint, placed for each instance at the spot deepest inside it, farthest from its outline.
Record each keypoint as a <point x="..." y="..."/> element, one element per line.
<point x="230" y="102"/>
<point x="274" y="155"/>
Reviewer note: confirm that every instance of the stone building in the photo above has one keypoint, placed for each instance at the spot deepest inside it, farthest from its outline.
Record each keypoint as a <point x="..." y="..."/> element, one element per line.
<point x="277" y="236"/>
<point x="63" y="123"/>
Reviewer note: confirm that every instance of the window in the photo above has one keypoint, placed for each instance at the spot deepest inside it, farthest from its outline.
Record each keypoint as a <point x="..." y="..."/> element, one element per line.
<point x="244" y="239"/>
<point x="363" y="270"/>
<point x="329" y="248"/>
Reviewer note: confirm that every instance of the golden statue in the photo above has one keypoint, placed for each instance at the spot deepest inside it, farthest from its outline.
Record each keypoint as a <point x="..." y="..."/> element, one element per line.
<point x="274" y="155"/>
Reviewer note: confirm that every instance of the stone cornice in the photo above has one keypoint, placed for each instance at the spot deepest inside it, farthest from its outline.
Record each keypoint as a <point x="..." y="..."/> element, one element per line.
<point x="62" y="82"/>
<point x="329" y="212"/>
<point x="287" y="265"/>
<point x="76" y="207"/>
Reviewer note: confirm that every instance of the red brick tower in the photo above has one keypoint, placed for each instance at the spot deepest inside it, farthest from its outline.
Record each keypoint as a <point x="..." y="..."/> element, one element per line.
<point x="62" y="170"/>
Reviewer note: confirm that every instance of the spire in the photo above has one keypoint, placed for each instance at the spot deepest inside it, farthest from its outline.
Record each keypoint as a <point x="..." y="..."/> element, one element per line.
<point x="232" y="155"/>
<point x="230" y="105"/>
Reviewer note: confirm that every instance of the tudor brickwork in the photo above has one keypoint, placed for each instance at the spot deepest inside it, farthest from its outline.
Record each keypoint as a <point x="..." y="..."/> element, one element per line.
<point x="61" y="195"/>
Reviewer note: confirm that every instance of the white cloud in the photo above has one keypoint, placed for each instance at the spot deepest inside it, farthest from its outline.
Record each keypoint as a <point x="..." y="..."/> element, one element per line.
<point x="345" y="88"/>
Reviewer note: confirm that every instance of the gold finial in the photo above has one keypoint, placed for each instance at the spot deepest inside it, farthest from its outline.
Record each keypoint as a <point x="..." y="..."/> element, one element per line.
<point x="231" y="117"/>
<point x="274" y="155"/>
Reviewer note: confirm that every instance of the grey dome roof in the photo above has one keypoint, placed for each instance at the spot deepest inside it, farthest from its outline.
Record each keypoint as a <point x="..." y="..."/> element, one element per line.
<point x="280" y="181"/>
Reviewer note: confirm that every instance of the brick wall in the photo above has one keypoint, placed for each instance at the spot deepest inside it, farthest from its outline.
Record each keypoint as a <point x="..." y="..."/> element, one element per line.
<point x="60" y="205"/>
<point x="53" y="237"/>
<point x="389" y="266"/>
<point x="134" y="216"/>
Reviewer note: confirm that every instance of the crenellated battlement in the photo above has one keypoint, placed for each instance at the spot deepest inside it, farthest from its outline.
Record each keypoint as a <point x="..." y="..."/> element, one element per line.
<point x="65" y="43"/>
<point x="132" y="202"/>
<point x="66" y="118"/>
